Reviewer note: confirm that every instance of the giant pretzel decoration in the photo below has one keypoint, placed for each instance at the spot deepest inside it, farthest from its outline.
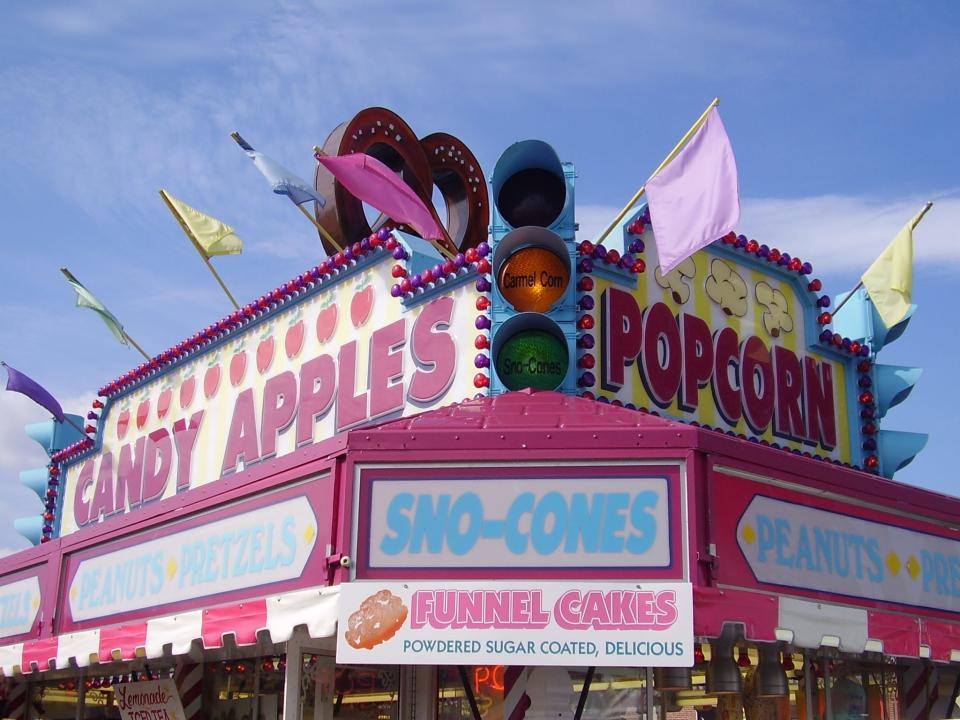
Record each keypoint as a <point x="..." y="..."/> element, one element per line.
<point x="438" y="159"/>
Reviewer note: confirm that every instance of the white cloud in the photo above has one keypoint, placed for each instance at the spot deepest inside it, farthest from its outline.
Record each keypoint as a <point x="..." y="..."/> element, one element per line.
<point x="834" y="231"/>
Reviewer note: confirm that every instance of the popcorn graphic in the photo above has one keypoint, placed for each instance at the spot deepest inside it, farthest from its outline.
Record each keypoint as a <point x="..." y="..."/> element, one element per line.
<point x="726" y="288"/>
<point x="676" y="280"/>
<point x="776" y="312"/>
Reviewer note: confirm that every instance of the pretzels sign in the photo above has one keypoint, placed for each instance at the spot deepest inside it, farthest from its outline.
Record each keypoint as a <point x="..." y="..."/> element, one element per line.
<point x="438" y="159"/>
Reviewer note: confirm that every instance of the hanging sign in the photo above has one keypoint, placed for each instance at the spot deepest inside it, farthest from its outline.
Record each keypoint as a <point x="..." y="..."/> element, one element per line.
<point x="516" y="623"/>
<point x="154" y="700"/>
<point x="19" y="605"/>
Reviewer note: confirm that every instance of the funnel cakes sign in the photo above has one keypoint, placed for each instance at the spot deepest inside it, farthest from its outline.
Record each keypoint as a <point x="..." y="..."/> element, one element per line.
<point x="516" y="623"/>
<point x="730" y="343"/>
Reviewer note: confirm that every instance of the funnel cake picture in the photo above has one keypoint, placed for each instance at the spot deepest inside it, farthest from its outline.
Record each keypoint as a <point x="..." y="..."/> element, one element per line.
<point x="376" y="621"/>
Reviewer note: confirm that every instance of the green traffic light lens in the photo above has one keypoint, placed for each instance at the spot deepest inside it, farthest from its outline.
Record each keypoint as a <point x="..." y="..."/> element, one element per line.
<point x="532" y="358"/>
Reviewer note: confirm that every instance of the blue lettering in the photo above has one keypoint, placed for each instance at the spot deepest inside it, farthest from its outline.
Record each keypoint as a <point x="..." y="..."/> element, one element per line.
<point x="783" y="542"/>
<point x="429" y="524"/>
<point x="614" y="522"/>
<point x="875" y="574"/>
<point x="765" y="541"/>
<point x="644" y="522"/>
<point x="545" y="542"/>
<point x="290" y="540"/>
<point x="804" y="554"/>
<point x="399" y="523"/>
<point x="585" y="523"/>
<point x="517" y="540"/>
<point x="460" y="541"/>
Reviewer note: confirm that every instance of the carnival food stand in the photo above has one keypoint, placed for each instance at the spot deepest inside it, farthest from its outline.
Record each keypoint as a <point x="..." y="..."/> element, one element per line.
<point x="343" y="500"/>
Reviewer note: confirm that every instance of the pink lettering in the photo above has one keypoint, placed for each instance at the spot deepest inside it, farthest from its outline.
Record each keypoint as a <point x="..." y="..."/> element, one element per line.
<point x="185" y="438"/>
<point x="279" y="410"/>
<point x="434" y="352"/>
<point x="386" y="369"/>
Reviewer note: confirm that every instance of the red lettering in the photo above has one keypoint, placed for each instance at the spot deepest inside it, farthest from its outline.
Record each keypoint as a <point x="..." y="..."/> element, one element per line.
<point x="697" y="360"/>
<point x="433" y="351"/>
<point x="156" y="467"/>
<point x="242" y="437"/>
<point x="130" y="475"/>
<point x="818" y="390"/>
<point x="661" y="360"/>
<point x="620" y="335"/>
<point x="318" y="382"/>
<point x="386" y="369"/>
<point x="756" y="383"/>
<point x="726" y="353"/>
<point x="185" y="437"/>
<point x="351" y="409"/>
<point x="81" y="507"/>
<point x="788" y="419"/>
<point x="279" y="409"/>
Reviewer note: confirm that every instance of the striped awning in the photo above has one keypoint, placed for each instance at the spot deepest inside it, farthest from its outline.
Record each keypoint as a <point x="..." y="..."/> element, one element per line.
<point x="813" y="624"/>
<point x="278" y="615"/>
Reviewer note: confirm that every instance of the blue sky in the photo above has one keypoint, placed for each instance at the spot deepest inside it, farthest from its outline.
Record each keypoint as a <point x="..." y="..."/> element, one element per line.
<point x="842" y="117"/>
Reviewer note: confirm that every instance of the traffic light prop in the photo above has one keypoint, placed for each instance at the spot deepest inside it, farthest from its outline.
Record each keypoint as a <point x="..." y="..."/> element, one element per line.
<point x="52" y="436"/>
<point x="533" y="306"/>
<point x="881" y="387"/>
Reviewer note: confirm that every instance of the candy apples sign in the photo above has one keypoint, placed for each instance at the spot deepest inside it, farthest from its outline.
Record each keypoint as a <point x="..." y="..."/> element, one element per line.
<point x="728" y="343"/>
<point x="339" y="356"/>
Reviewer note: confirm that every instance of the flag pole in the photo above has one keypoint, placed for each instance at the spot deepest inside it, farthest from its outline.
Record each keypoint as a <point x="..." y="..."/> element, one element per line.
<point x="196" y="244"/>
<point x="666" y="161"/>
<point x="859" y="285"/>
<point x="73" y="278"/>
<point x="318" y="152"/>
<point x="323" y="233"/>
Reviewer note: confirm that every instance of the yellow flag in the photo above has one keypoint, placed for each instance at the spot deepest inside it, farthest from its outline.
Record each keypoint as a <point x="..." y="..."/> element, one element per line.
<point x="889" y="281"/>
<point x="209" y="235"/>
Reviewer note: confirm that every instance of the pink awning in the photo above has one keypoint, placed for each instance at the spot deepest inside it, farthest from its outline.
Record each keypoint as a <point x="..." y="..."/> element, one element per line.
<point x="277" y="615"/>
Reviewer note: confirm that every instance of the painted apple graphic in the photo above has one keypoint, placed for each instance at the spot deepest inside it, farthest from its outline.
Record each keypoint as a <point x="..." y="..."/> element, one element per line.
<point x="163" y="402"/>
<point x="123" y="422"/>
<point x="238" y="367"/>
<point x="211" y="380"/>
<point x="143" y="411"/>
<point x="361" y="305"/>
<point x="293" y="342"/>
<point x="326" y="323"/>
<point x="264" y="354"/>
<point x="187" y="388"/>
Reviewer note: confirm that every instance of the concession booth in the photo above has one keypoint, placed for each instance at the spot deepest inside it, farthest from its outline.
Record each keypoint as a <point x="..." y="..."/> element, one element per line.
<point x="533" y="478"/>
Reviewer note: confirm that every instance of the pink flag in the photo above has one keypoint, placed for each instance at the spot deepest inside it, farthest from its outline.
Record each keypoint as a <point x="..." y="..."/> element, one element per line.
<point x="374" y="183"/>
<point x="696" y="198"/>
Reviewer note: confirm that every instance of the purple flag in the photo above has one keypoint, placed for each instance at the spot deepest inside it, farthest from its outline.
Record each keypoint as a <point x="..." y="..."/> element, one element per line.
<point x="696" y="198"/>
<point x="18" y="382"/>
<point x="374" y="183"/>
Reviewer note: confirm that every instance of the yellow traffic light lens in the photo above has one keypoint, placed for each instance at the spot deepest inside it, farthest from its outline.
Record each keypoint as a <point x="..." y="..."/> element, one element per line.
<point x="533" y="279"/>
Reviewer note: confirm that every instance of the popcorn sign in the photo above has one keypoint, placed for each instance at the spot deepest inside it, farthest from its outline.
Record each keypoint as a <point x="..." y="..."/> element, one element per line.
<point x="729" y="343"/>
<point x="517" y="623"/>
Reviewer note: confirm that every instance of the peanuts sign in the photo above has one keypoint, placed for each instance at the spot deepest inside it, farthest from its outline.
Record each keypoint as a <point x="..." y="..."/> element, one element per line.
<point x="727" y="344"/>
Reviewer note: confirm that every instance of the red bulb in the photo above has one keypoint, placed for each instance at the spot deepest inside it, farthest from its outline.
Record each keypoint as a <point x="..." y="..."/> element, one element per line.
<point x="639" y="266"/>
<point x="698" y="656"/>
<point x="753" y="247"/>
<point x="814" y="285"/>
<point x="613" y="257"/>
<point x="743" y="660"/>
<point x="795" y="264"/>
<point x="427" y="276"/>
<point x="585" y="322"/>
<point x="864" y="365"/>
<point x="824" y="318"/>
<point x="585" y="284"/>
<point x="871" y="462"/>
<point x="483" y="266"/>
<point x="449" y="268"/>
<point x="480" y="380"/>
<point x="481" y="342"/>
<point x="398" y="271"/>
<point x="471" y="255"/>
<point x="587" y="361"/>
<point x="483" y="302"/>
<point x="869" y="429"/>
<point x="773" y="255"/>
<point x="866" y="398"/>
<point x="586" y="248"/>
